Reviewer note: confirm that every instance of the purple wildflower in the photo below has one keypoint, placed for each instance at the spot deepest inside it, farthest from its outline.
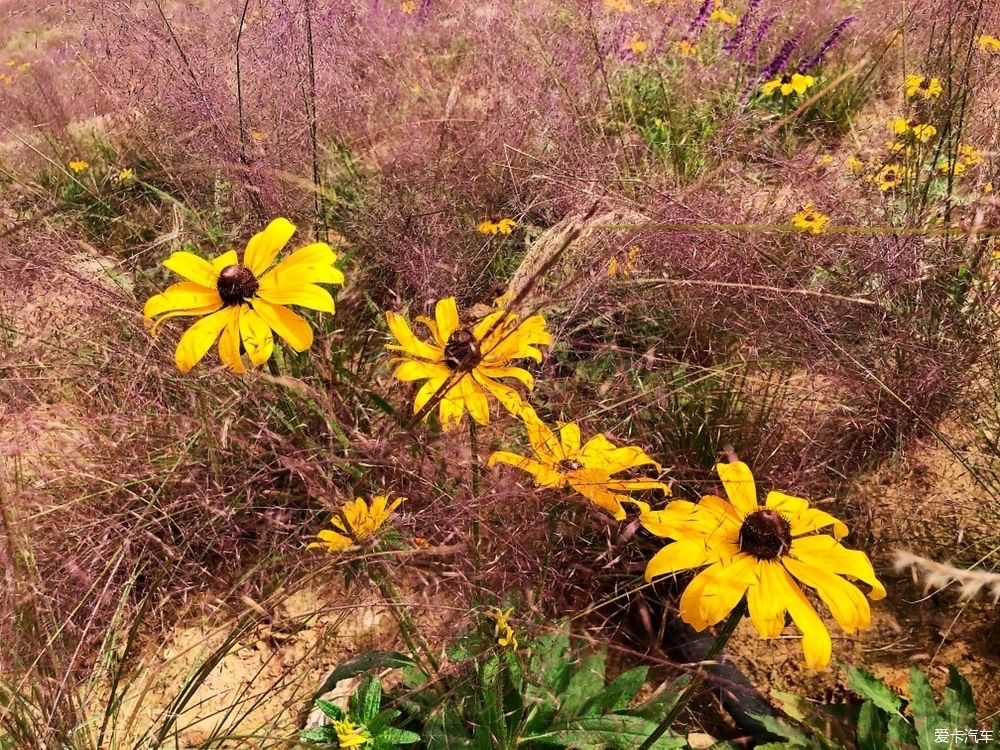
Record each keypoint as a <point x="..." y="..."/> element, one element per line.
<point x="817" y="59"/>
<point x="700" y="20"/>
<point x="740" y="32"/>
<point x="780" y="61"/>
<point x="762" y="29"/>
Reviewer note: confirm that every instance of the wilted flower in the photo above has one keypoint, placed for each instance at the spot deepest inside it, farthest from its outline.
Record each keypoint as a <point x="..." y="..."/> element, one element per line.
<point x="125" y="175"/>
<point x="764" y="553"/>
<point x="503" y="631"/>
<point x="245" y="302"/>
<point x="627" y="266"/>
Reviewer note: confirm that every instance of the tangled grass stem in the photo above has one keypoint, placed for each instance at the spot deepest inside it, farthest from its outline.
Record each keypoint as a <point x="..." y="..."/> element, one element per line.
<point x="728" y="628"/>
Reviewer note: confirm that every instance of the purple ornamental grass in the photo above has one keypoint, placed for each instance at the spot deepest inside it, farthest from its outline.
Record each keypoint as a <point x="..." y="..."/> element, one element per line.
<point x="817" y="59"/>
<point x="759" y="35"/>
<point x="700" y="20"/>
<point x="740" y="32"/>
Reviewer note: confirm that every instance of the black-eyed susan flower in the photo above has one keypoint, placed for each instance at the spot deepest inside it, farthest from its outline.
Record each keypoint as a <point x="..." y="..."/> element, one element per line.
<point x="363" y="522"/>
<point x="809" y="219"/>
<point x="788" y="84"/>
<point x="927" y="87"/>
<point x="245" y="302"/>
<point x="626" y="266"/>
<point x="988" y="43"/>
<point x="763" y="553"/>
<point x="465" y="363"/>
<point x="922" y="132"/>
<point x="951" y="166"/>
<point x="891" y="176"/>
<point x="78" y="165"/>
<point x="970" y="156"/>
<point x="496" y="226"/>
<point x="589" y="468"/>
<point x="502" y="631"/>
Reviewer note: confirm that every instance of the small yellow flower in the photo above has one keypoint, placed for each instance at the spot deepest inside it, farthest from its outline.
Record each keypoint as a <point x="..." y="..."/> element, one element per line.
<point x="970" y="156"/>
<point x="947" y="166"/>
<point x="466" y="362"/>
<point x="825" y="160"/>
<point x="987" y="188"/>
<point x="721" y="15"/>
<point x="686" y="48"/>
<point x="924" y="133"/>
<point x="245" y="302"/>
<point x="408" y="7"/>
<point x="626" y="267"/>
<point x="765" y="553"/>
<point x="896" y="148"/>
<point x="123" y="176"/>
<point x="854" y="164"/>
<point x="562" y="461"/>
<point x="496" y="226"/>
<point x="10" y="63"/>
<point x="636" y="45"/>
<point x="891" y="176"/>
<point x="618" y="6"/>
<point x="503" y="631"/>
<point x="6" y="79"/>
<point x="788" y="84"/>
<point x="362" y="523"/>
<point x="988" y="43"/>
<point x="923" y="86"/>
<point x="810" y="219"/>
<point x="24" y="67"/>
<point x="350" y="734"/>
<point x="79" y="165"/>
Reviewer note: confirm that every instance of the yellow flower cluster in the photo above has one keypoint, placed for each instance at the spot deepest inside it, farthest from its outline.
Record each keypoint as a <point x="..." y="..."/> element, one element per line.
<point x="788" y="84"/>
<point x="356" y="523"/>
<point x="498" y="226"/>
<point x="503" y="631"/>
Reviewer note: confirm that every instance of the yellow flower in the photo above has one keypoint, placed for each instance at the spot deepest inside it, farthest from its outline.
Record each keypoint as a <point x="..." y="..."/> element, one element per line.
<point x="891" y="176"/>
<point x="246" y="301"/>
<point x="363" y="522"/>
<point x="625" y="268"/>
<point x="500" y="226"/>
<point x="854" y="164"/>
<point x="79" y="165"/>
<point x="686" y="48"/>
<point x="618" y="6"/>
<point x="466" y="363"/>
<point x="721" y="15"/>
<point x="350" y="734"/>
<point x="124" y="175"/>
<point x="924" y="86"/>
<point x="561" y="461"/>
<point x="970" y="156"/>
<point x="810" y="219"/>
<point x="636" y="45"/>
<point x="987" y="188"/>
<point x="825" y="160"/>
<point x="503" y="631"/>
<point x="758" y="552"/>
<point x="924" y="133"/>
<point x="988" y="43"/>
<point x="896" y="148"/>
<point x="788" y="84"/>
<point x="408" y="7"/>
<point x="947" y="166"/>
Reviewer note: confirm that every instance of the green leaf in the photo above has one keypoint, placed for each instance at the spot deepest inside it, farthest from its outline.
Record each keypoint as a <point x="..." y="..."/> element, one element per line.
<point x="331" y="710"/>
<point x="901" y="734"/>
<point x="585" y="683"/>
<point x="871" y="688"/>
<point x="618" y="694"/>
<point x="782" y="728"/>
<point x="365" y="662"/>
<point x="319" y="735"/>
<point x="923" y="708"/>
<point x="550" y="661"/>
<point x="399" y="736"/>
<point x="872" y="728"/>
<point x="959" y="705"/>
<point x="606" y="733"/>
<point x="367" y="699"/>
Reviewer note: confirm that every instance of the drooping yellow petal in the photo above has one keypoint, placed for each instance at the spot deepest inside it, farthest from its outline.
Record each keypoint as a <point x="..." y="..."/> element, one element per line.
<point x="198" y="339"/>
<point x="193" y="268"/>
<point x="485" y="327"/>
<point x="601" y="452"/>
<point x="543" y="440"/>
<point x="636" y="485"/>
<point x="802" y="518"/>
<point x="264" y="246"/>
<point x="507" y="396"/>
<point x="432" y="326"/>
<point x="512" y="340"/>
<point x="426" y="393"/>
<point x="310" y="296"/>
<point x="847" y="604"/>
<point x="475" y="400"/>
<point x="519" y="374"/>
<point x="764" y="598"/>
<point x="569" y="438"/>
<point x="183" y="298"/>
<point x="229" y="344"/>
<point x="408" y="342"/>
<point x="256" y="335"/>
<point x="683" y="555"/>
<point x="714" y="592"/>
<point x="332" y="541"/>
<point x="411" y="369"/>
<point x="544" y="475"/>
<point x="826" y="553"/>
<point x="593" y="485"/>
<point x="739" y="484"/>
<point x="816" y="644"/>
<point x="446" y="315"/>
<point x="292" y="328"/>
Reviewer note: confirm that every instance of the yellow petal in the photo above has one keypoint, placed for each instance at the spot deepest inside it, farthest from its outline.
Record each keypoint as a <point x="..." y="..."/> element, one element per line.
<point x="636" y="485"/>
<point x="683" y="555"/>
<point x="592" y="484"/>
<point x="333" y="541"/>
<point x="601" y="452"/>
<point x="446" y="314"/>
<point x="312" y="263"/>
<point x="426" y="393"/>
<point x="184" y="298"/>
<point x="264" y="246"/>
<point x="432" y="326"/>
<point x="847" y="604"/>
<point x="409" y="343"/>
<point x="412" y="369"/>
<point x="193" y="268"/>
<point x="311" y="296"/>
<point x="816" y="644"/>
<point x="475" y="400"/>
<point x="485" y="327"/>
<point x="198" y="339"/>
<point x="452" y="404"/>
<point x="543" y="440"/>
<point x="569" y="438"/>
<point x="522" y="376"/>
<point x="740" y="488"/>
<point x="714" y="592"/>
<point x="229" y="344"/>
<point x="544" y="475"/>
<point x="292" y="328"/>
<point x="767" y="607"/>
<point x="256" y="335"/>
<point x="227" y="259"/>
<point x="507" y="396"/>
<point x="676" y="521"/>
<point x="803" y="518"/>
<point x="826" y="553"/>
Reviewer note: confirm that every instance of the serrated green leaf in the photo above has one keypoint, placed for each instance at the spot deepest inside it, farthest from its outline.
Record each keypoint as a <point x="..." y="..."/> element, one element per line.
<point x="871" y="688"/>
<point x="612" y="732"/>
<point x="586" y="682"/>
<point x="319" y="735"/>
<point x="872" y="727"/>
<point x="366" y="700"/>
<point x="399" y="736"/>
<point x="782" y="728"/>
<point x="924" y="710"/>
<point x="900" y="734"/>
<point x="618" y="694"/>
<point x="550" y="661"/>
<point x="330" y="710"/>
<point x="958" y="706"/>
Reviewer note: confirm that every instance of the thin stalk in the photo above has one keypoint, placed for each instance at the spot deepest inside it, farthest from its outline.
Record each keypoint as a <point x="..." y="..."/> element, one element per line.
<point x="720" y="643"/>
<point x="407" y="628"/>
<point x="474" y="450"/>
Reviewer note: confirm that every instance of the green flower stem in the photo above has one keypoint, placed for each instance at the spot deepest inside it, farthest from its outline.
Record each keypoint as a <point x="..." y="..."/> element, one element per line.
<point x="407" y="628"/>
<point x="739" y="611"/>
<point x="474" y="450"/>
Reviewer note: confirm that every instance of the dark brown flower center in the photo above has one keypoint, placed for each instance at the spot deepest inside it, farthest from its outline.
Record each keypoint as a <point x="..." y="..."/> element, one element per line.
<point x="461" y="353"/>
<point x="890" y="175"/>
<point x="925" y="83"/>
<point x="568" y="464"/>
<point x="765" y="534"/>
<point x="786" y="79"/>
<point x="236" y="283"/>
<point x="810" y="218"/>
